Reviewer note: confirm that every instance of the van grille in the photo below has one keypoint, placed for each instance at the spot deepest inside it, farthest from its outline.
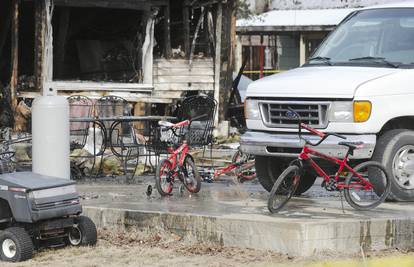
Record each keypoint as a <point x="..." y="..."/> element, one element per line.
<point x="312" y="113"/>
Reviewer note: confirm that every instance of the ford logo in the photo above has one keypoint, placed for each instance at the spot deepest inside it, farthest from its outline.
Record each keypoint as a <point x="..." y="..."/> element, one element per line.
<point x="291" y="114"/>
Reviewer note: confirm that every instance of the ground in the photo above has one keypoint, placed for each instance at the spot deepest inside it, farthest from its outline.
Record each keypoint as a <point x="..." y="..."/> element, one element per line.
<point x="131" y="247"/>
<point x="120" y="248"/>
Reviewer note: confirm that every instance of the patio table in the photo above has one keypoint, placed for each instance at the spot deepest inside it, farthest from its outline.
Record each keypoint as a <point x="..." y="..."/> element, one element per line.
<point x="114" y="122"/>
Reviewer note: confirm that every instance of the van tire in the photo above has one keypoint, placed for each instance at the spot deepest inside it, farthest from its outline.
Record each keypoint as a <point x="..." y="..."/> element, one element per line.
<point x="386" y="150"/>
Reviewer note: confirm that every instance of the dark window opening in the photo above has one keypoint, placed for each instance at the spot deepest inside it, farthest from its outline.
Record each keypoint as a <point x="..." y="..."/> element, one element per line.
<point x="98" y="44"/>
<point x="26" y="44"/>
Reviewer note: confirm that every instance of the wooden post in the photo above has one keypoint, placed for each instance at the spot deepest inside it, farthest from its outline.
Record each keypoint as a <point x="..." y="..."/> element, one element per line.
<point x="302" y="50"/>
<point x="167" y="32"/>
<point x="217" y="58"/>
<point x="233" y="40"/>
<point x="43" y="45"/>
<point x="140" y="110"/>
<point x="227" y="57"/>
<point x="40" y="28"/>
<point x="147" y="50"/>
<point x="64" y="17"/>
<point x="193" y="44"/>
<point x="238" y="54"/>
<point x="186" y="28"/>
<point x="14" y="53"/>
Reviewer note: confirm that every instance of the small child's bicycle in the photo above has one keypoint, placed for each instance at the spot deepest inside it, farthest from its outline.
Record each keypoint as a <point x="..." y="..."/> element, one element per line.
<point x="179" y="163"/>
<point x="242" y="166"/>
<point x="365" y="186"/>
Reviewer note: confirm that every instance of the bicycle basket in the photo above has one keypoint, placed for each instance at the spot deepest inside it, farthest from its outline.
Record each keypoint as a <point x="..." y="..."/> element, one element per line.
<point x="168" y="136"/>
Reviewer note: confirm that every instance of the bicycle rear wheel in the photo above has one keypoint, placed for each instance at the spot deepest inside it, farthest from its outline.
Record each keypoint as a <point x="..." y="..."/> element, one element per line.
<point x="164" y="179"/>
<point x="363" y="194"/>
<point x="284" y="188"/>
<point x="192" y="178"/>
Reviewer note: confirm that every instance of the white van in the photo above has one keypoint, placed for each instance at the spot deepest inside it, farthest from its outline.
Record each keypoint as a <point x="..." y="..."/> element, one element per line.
<point x="359" y="83"/>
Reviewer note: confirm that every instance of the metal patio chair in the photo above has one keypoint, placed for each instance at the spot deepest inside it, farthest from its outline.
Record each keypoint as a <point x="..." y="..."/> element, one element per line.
<point x="121" y="136"/>
<point x="199" y="134"/>
<point x="203" y="108"/>
<point x="81" y="107"/>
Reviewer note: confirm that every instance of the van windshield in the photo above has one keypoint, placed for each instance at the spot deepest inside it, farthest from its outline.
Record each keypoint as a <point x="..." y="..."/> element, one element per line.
<point x="378" y="37"/>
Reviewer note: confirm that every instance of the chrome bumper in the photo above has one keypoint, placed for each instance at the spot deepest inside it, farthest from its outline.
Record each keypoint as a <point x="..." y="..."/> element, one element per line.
<point x="289" y="145"/>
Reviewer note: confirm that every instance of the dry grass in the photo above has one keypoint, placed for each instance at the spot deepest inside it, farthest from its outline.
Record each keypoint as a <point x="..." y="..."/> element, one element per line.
<point x="135" y="248"/>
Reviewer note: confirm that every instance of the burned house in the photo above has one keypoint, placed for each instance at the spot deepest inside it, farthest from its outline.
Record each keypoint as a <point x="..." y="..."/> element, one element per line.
<point x="150" y="52"/>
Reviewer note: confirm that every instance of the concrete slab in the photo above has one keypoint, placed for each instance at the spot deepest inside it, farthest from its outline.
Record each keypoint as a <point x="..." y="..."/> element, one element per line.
<point x="236" y="215"/>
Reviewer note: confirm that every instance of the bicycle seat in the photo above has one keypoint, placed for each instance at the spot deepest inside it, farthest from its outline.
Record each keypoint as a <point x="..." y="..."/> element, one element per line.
<point x="165" y="124"/>
<point x="352" y="145"/>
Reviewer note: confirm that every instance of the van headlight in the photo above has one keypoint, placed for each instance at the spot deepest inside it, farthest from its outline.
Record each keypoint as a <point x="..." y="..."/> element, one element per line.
<point x="357" y="111"/>
<point x="340" y="112"/>
<point x="251" y="109"/>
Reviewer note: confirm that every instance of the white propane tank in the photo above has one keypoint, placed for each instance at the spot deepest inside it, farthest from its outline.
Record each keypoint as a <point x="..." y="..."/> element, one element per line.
<point x="50" y="136"/>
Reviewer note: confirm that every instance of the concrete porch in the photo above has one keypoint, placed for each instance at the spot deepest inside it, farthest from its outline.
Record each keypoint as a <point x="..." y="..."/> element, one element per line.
<point x="236" y="215"/>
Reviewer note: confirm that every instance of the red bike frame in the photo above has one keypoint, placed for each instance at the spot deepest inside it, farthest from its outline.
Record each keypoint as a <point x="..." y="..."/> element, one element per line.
<point x="177" y="156"/>
<point x="363" y="184"/>
<point x="231" y="167"/>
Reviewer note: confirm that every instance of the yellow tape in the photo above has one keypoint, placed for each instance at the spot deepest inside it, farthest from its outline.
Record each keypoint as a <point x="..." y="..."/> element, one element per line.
<point x="404" y="261"/>
<point x="264" y="71"/>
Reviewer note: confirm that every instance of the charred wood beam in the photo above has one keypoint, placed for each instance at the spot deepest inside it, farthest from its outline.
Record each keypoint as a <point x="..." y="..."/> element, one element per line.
<point x="147" y="48"/>
<point x="40" y="33"/>
<point x="61" y="40"/>
<point x="167" y="33"/>
<point x="210" y="29"/>
<point x="200" y="21"/>
<point x="14" y="53"/>
<point x="118" y="4"/>
<point x="227" y="56"/>
<point x="206" y="35"/>
<point x="43" y="43"/>
<point x="186" y="28"/>
<point x="217" y="57"/>
<point x="198" y="4"/>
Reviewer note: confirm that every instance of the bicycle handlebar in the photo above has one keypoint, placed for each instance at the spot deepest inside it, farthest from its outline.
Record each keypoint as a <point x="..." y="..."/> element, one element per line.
<point x="322" y="135"/>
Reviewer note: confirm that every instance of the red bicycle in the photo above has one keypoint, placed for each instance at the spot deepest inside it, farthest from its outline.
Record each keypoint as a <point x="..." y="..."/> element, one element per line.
<point x="365" y="186"/>
<point x="179" y="163"/>
<point x="242" y="166"/>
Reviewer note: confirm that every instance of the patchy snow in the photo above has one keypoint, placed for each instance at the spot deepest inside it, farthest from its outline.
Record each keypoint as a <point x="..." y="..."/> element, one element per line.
<point x="321" y="4"/>
<point x="314" y="17"/>
<point x="403" y="4"/>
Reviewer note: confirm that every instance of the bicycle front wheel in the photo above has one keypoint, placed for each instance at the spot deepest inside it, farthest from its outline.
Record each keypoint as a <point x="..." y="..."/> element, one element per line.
<point x="192" y="178"/>
<point x="164" y="179"/>
<point x="284" y="188"/>
<point x="246" y="171"/>
<point x="362" y="194"/>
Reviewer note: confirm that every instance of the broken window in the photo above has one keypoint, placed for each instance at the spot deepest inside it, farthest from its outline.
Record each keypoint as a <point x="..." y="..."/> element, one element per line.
<point x="25" y="44"/>
<point x="98" y="44"/>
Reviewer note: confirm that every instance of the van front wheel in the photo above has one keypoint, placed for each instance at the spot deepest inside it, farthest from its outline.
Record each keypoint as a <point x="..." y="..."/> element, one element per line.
<point x="395" y="151"/>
